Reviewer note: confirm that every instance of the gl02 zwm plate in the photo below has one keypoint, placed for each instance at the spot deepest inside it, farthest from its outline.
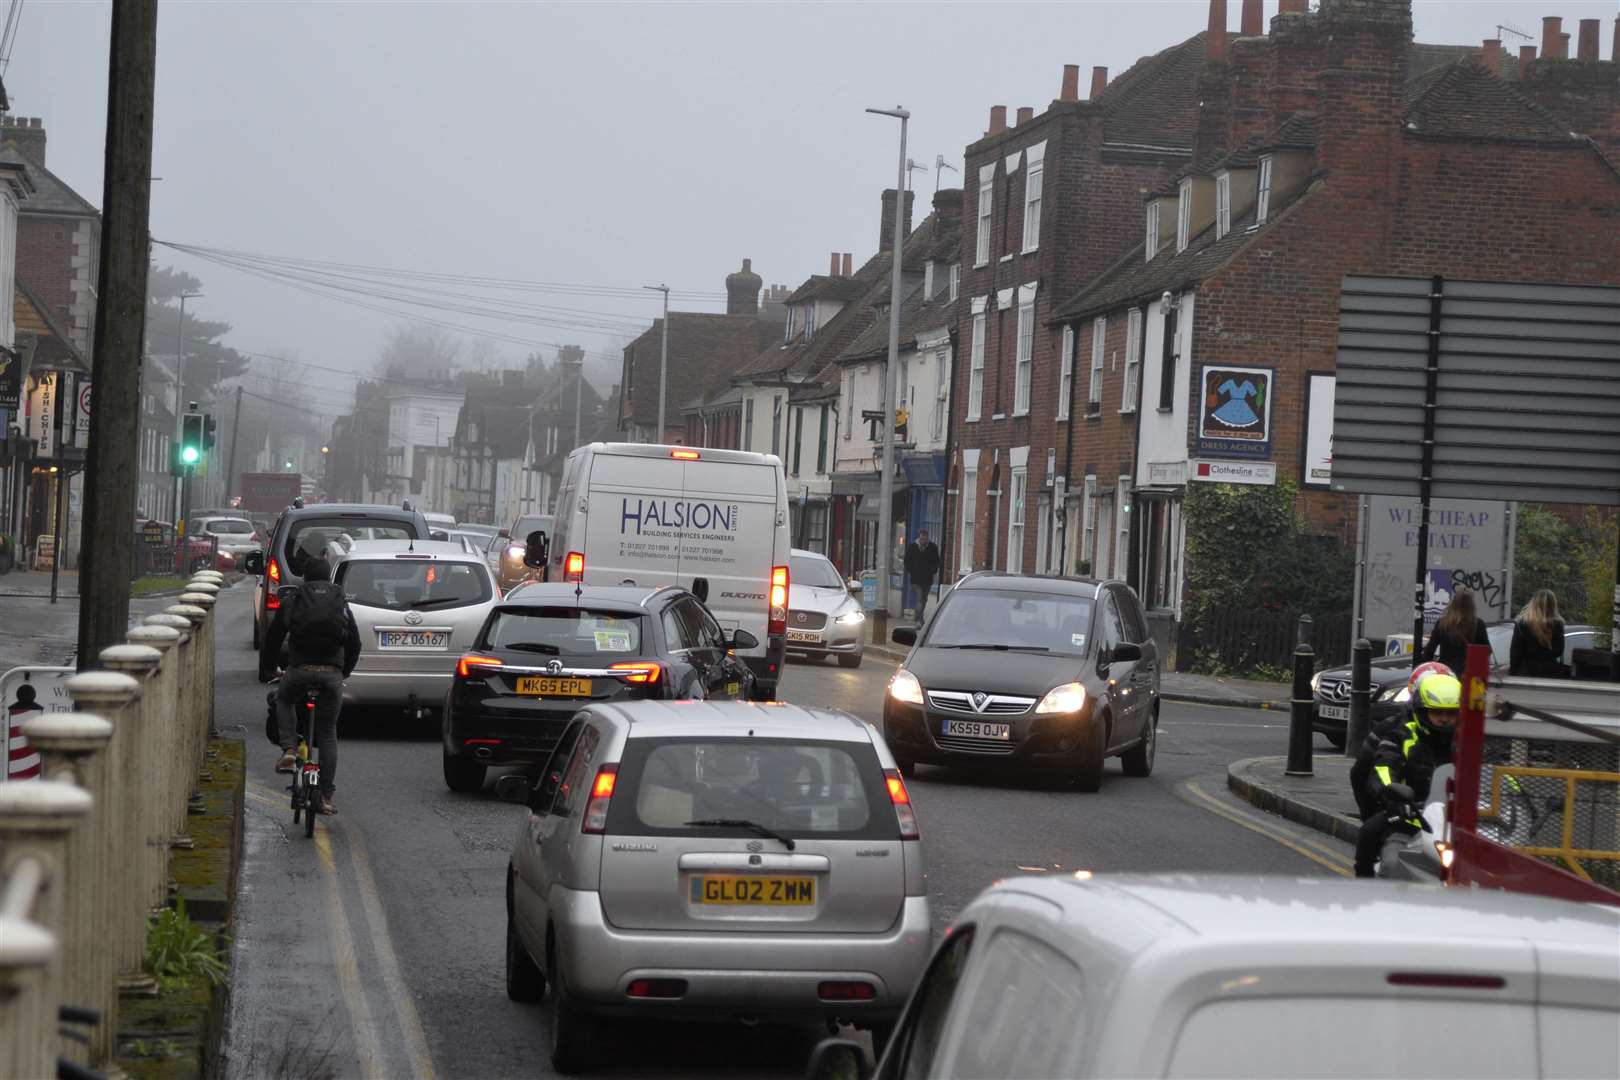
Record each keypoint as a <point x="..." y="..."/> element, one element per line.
<point x="753" y="890"/>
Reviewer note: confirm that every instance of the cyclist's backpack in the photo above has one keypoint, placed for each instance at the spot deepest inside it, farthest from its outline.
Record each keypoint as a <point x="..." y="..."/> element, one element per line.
<point x="315" y="621"/>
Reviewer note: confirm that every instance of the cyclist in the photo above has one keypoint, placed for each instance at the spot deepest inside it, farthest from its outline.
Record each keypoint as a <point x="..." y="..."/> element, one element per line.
<point x="323" y="645"/>
<point x="1409" y="755"/>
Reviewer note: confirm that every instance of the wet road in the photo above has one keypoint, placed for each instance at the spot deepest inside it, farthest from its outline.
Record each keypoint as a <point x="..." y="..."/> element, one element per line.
<point x="376" y="950"/>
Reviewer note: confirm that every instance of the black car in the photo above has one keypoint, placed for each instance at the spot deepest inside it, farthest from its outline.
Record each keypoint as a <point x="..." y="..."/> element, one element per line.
<point x="1330" y="689"/>
<point x="1040" y="673"/>
<point x="547" y="650"/>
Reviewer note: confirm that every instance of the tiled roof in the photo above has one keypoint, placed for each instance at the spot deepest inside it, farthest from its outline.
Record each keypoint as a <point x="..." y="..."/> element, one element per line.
<point x="822" y="287"/>
<point x="51" y="195"/>
<point x="1462" y="99"/>
<point x="917" y="316"/>
<point x="1421" y="58"/>
<point x="1155" y="102"/>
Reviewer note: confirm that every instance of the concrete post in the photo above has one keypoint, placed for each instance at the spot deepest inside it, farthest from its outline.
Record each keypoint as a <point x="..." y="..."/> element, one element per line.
<point x="160" y="690"/>
<point x="190" y="709"/>
<point x="114" y="695"/>
<point x="71" y="748"/>
<point x="25" y="950"/>
<point x="35" y="818"/>
<point x="211" y="590"/>
<point x="146" y="752"/>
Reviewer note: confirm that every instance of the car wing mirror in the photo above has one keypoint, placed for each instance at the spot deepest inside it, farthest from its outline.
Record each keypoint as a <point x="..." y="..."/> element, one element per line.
<point x="1125" y="652"/>
<point x="537" y="548"/>
<point x="254" y="563"/>
<point x="904" y="635"/>
<point x="742" y="639"/>
<point x="438" y="534"/>
<point x="503" y="533"/>
<point x="837" y="1059"/>
<point x="513" y="789"/>
<point x="700" y="589"/>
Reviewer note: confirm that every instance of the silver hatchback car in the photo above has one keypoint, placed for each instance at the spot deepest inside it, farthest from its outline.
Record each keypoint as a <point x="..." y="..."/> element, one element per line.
<point x="705" y="860"/>
<point x="418" y="605"/>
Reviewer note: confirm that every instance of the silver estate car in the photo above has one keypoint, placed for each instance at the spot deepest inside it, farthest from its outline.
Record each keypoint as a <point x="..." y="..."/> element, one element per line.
<point x="418" y="605"/>
<point x="823" y="618"/>
<point x="724" y="861"/>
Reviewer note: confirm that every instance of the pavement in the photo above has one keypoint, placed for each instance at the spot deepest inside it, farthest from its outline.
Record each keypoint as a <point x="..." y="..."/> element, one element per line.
<point x="1321" y="801"/>
<point x="34" y="631"/>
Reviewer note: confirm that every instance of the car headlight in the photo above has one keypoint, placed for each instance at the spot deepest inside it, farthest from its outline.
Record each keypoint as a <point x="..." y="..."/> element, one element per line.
<point x="1316" y="682"/>
<point x="1068" y="698"/>
<point x="1399" y="692"/>
<point x="905" y="687"/>
<point x="851" y="617"/>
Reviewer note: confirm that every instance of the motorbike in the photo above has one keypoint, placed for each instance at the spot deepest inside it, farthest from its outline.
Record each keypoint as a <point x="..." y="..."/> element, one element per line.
<point x="1426" y="855"/>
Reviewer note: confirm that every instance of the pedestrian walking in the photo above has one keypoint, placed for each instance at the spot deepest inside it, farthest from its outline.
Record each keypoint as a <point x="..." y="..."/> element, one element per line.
<point x="922" y="567"/>
<point x="1458" y="627"/>
<point x="1538" y="639"/>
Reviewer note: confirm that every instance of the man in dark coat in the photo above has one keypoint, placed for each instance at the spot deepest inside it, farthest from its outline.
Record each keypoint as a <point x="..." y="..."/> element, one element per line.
<point x="922" y="567"/>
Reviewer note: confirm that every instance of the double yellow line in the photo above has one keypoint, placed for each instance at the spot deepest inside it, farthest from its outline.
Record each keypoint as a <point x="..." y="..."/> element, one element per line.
<point x="1322" y="855"/>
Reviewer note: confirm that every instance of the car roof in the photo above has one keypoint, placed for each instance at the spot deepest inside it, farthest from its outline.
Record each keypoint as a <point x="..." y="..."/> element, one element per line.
<point x="351" y="509"/>
<point x="664" y="450"/>
<point x="806" y="554"/>
<point x="1036" y="583"/>
<point x="422" y="549"/>
<point x="553" y="593"/>
<point x="737" y="719"/>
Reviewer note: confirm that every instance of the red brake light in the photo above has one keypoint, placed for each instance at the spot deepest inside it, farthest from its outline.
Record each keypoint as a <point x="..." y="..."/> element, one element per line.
<point x="901" y="799"/>
<point x="846" y="991"/>
<point x="272" y="575"/>
<point x="471" y="661"/>
<point x="596" y="810"/>
<point x="686" y="455"/>
<point x="574" y="567"/>
<point x="639" y="671"/>
<point x="779" y="600"/>
<point x="1440" y="978"/>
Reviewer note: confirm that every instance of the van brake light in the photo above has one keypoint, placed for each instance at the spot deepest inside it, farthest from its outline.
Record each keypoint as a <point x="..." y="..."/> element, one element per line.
<point x="596" y="810"/>
<point x="901" y="798"/>
<point x="574" y="568"/>
<point x="779" y="600"/>
<point x="686" y="455"/>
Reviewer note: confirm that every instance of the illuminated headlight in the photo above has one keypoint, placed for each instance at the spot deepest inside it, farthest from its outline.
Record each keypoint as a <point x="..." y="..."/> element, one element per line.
<point x="515" y="551"/>
<point x="1316" y="682"/>
<point x="851" y="617"/>
<point x="905" y="687"/>
<point x="1448" y="854"/>
<point x="1068" y="698"/>
<point x="1401" y="693"/>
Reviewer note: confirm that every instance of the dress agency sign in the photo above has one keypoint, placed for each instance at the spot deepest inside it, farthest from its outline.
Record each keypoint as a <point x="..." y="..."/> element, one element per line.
<point x="1234" y="412"/>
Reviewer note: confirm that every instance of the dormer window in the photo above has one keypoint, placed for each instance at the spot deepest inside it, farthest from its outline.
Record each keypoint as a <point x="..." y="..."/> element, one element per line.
<point x="1262" y="202"/>
<point x="1151" y="247"/>
<point x="809" y="320"/>
<point x="928" y="281"/>
<point x="1223" y="204"/>
<point x="956" y="280"/>
<point x="1184" y="215"/>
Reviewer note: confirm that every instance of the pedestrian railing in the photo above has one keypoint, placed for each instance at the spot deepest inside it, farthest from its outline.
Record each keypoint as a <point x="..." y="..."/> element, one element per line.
<point x="84" y="850"/>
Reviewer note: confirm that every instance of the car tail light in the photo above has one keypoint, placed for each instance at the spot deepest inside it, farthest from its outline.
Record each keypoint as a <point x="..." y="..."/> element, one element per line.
<point x="473" y="662"/>
<point x="846" y="991"/>
<point x="574" y="567"/>
<point x="686" y="455"/>
<point x="272" y="575"/>
<point x="901" y="798"/>
<point x="656" y="988"/>
<point x="1446" y="979"/>
<point x="639" y="671"/>
<point x="596" y="810"/>
<point x="779" y="600"/>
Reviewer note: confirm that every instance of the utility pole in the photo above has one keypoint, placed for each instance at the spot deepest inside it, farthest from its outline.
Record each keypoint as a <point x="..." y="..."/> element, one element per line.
<point x="179" y="391"/>
<point x="663" y="361"/>
<point x="113" y="455"/>
<point x="230" y="463"/>
<point x="579" y="374"/>
<point x="880" y="616"/>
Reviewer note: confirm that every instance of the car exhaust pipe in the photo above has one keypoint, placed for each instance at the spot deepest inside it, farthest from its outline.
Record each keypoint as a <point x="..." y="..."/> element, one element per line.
<point x="483" y="753"/>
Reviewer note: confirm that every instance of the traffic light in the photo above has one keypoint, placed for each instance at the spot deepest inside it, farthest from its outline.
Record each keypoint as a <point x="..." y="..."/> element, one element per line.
<point x="191" y="439"/>
<point x="209" y="427"/>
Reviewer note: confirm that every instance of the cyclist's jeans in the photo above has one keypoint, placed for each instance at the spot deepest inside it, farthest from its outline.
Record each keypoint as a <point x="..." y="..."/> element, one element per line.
<point x="290" y="696"/>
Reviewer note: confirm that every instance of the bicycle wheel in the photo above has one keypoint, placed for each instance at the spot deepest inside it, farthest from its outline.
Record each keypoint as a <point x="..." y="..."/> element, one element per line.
<point x="312" y="809"/>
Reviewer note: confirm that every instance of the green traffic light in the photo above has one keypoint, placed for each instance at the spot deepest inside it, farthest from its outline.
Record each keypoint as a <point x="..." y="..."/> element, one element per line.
<point x="189" y="455"/>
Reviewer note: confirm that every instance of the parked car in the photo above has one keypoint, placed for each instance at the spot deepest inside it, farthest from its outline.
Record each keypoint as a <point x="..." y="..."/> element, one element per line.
<point x="823" y="618"/>
<point x="1174" y="976"/>
<point x="304" y="531"/>
<point x="1330" y="689"/>
<point x="508" y="549"/>
<point x="546" y="652"/>
<point x="418" y="606"/>
<point x="713" y="861"/>
<point x="1044" y="674"/>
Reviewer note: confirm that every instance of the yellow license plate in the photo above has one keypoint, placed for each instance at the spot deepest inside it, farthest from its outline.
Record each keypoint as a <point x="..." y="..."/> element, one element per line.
<point x="549" y="686"/>
<point x="753" y="890"/>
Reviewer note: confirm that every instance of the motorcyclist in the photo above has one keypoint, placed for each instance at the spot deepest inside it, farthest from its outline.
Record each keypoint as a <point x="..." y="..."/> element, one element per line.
<point x="323" y="646"/>
<point x="1367" y="800"/>
<point x="1408" y="756"/>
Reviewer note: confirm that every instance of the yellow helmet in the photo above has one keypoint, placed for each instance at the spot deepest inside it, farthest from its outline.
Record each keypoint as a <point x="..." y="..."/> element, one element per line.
<point x="1437" y="693"/>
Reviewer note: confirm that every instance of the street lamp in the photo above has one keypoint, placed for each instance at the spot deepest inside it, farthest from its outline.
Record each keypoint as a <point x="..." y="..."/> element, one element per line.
<point x="663" y="361"/>
<point x="880" y="615"/>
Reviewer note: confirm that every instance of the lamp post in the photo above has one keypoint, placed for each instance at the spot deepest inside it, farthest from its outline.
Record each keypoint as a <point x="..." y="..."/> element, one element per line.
<point x="880" y="615"/>
<point x="179" y="390"/>
<point x="663" y="361"/>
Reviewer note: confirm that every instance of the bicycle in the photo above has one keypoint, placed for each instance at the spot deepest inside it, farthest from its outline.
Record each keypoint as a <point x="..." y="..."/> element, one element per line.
<point x="306" y="784"/>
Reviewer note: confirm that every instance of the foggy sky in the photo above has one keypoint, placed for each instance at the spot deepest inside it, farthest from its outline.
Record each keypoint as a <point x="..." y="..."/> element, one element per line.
<point x="617" y="144"/>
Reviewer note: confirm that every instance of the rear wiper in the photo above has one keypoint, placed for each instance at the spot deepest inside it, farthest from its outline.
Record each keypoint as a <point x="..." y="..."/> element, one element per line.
<point x="1000" y="648"/>
<point x="444" y="600"/>
<point x="534" y="646"/>
<point x="744" y="823"/>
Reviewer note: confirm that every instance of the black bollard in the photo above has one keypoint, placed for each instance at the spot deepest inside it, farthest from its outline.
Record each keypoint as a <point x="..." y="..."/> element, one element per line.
<point x="1299" y="723"/>
<point x="1360" y="696"/>
<point x="1304" y="631"/>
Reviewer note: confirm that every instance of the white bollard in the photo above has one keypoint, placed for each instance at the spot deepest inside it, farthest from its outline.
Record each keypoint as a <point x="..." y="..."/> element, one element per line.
<point x="25" y="950"/>
<point x="146" y="753"/>
<point x="190" y="707"/>
<point x="161" y="690"/>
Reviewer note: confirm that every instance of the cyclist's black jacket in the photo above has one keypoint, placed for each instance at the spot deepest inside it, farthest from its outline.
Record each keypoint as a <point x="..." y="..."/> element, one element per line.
<point x="346" y="657"/>
<point x="1409" y="755"/>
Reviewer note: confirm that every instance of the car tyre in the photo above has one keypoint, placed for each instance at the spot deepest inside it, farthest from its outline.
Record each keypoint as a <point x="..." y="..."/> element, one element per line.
<point x="256" y="632"/>
<point x="524" y="980"/>
<point x="1336" y="740"/>
<point x="852" y="660"/>
<point x="1138" y="760"/>
<point x="462" y="776"/>
<point x="1088" y="777"/>
<point x="572" y="1033"/>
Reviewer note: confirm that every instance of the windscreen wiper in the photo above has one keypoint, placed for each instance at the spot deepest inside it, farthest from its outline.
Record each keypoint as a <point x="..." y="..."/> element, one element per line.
<point x="744" y="823"/>
<point x="999" y="648"/>
<point x="534" y="646"/>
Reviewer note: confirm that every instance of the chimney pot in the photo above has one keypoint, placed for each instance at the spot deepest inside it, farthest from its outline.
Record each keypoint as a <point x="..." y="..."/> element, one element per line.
<point x="834" y="271"/>
<point x="1527" y="53"/>
<point x="998" y="119"/>
<point x="849" y="265"/>
<point x="1253" y="19"/>
<point x="1215" y="40"/>
<point x="1588" y="46"/>
<point x="1071" y="83"/>
<point x="1550" y="26"/>
<point x="1491" y="55"/>
<point x="1026" y="113"/>
<point x="1291" y="7"/>
<point x="35" y="122"/>
<point x="1099" y="81"/>
<point x="1563" y="46"/>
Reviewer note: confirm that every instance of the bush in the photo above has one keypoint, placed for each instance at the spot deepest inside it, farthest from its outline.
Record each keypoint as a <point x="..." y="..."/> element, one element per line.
<point x="1575" y="561"/>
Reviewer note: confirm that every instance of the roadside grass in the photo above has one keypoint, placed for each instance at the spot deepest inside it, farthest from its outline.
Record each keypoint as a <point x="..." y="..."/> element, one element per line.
<point x="178" y="951"/>
<point x="146" y="586"/>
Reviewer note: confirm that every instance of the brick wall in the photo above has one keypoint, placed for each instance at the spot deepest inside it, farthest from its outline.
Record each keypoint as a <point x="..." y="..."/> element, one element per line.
<point x="44" y="263"/>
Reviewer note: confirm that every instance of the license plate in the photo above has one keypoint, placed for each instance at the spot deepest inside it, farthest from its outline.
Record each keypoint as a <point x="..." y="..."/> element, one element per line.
<point x="975" y="729"/>
<point x="413" y="639"/>
<point x="1333" y="712"/>
<point x="549" y="686"/>
<point x="803" y="635"/>
<point x="753" y="890"/>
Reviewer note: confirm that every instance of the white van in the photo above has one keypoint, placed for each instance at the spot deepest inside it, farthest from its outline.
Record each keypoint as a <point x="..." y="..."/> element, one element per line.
<point x="712" y="521"/>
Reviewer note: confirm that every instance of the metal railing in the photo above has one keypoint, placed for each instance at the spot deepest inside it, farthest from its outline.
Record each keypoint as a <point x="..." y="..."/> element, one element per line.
<point x="84" y="851"/>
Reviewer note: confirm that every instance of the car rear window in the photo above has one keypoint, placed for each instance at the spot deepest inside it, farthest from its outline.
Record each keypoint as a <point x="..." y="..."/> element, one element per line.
<point x="308" y="537"/>
<point x="970" y="617"/>
<point x="400" y="584"/>
<point x="230" y="526"/>
<point x="828" y="790"/>
<point x="564" y="631"/>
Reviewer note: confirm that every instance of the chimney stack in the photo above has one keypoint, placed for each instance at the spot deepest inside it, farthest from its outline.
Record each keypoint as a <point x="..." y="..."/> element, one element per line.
<point x="1215" y="40"/>
<point x="998" y="119"/>
<point x="1527" y="53"/>
<point x="948" y="208"/>
<point x="28" y="132"/>
<point x="1291" y="7"/>
<point x="1071" y="83"/>
<point x="742" y="290"/>
<point x="1550" y="25"/>
<point x="1026" y="113"/>
<point x="1491" y="55"/>
<point x="1254" y="19"/>
<point x="886" y="226"/>
<point x="1588" y="46"/>
<point x="1099" y="82"/>
<point x="849" y="265"/>
<point x="834" y="271"/>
